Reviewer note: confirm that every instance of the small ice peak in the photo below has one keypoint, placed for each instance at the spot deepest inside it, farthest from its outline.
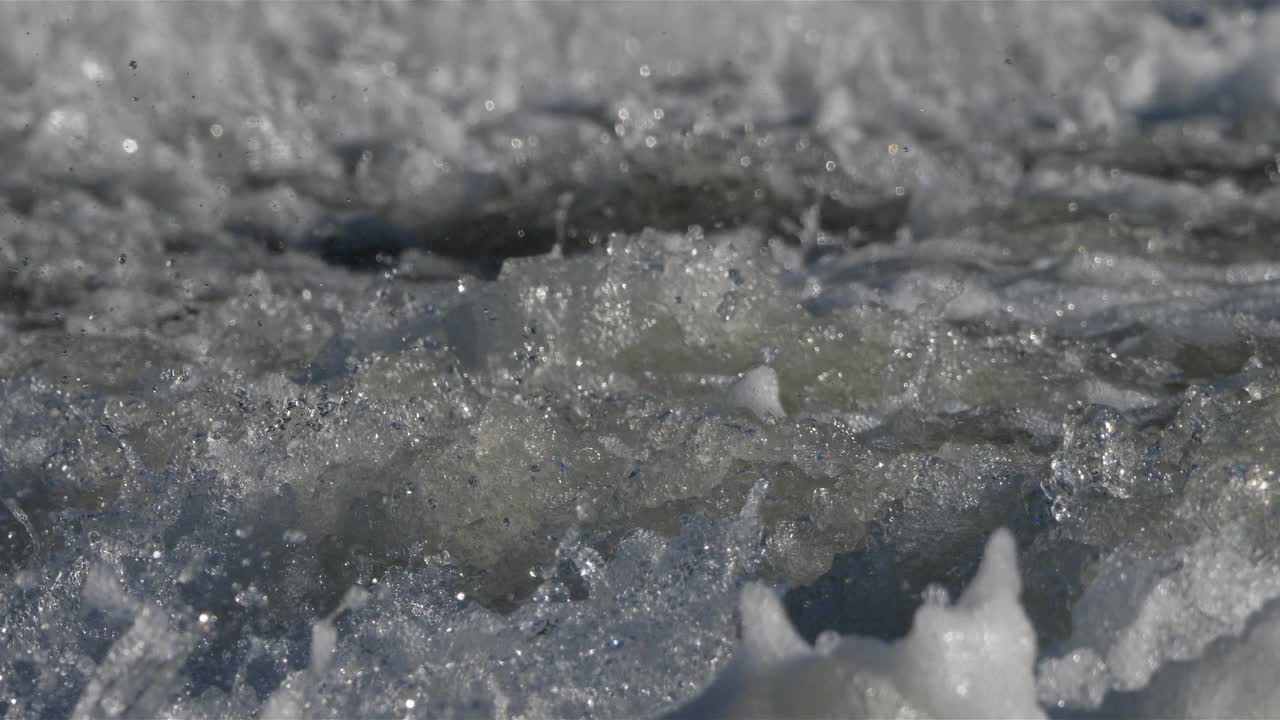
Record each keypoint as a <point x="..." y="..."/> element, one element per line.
<point x="975" y="658"/>
<point x="755" y="499"/>
<point x="291" y="698"/>
<point x="92" y="69"/>
<point x="972" y="658"/>
<point x="757" y="391"/>
<point x="767" y="634"/>
<point x="324" y="634"/>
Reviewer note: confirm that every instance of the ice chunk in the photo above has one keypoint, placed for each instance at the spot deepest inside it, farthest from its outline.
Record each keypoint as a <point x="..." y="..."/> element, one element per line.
<point x="1235" y="678"/>
<point x="1097" y="458"/>
<point x="139" y="676"/>
<point x="1142" y="612"/>
<point x="973" y="658"/>
<point x="757" y="391"/>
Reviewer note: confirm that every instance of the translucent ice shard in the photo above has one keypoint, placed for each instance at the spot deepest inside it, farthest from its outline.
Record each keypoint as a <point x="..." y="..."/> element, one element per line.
<point x="757" y="391"/>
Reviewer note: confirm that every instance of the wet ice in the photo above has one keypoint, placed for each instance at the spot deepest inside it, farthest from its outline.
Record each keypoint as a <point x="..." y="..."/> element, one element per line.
<point x="627" y="361"/>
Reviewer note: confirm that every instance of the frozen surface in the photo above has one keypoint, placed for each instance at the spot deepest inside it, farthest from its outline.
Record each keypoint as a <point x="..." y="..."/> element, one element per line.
<point x="637" y="360"/>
